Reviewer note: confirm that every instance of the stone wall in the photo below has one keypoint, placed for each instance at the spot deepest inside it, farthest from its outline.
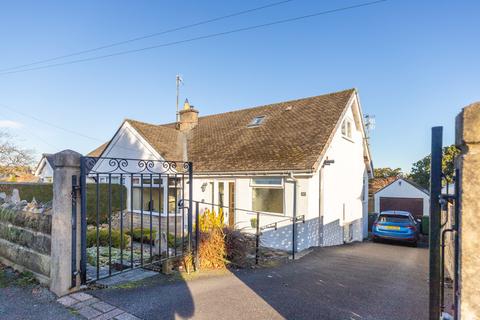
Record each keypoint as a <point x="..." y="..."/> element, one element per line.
<point x="468" y="140"/>
<point x="25" y="229"/>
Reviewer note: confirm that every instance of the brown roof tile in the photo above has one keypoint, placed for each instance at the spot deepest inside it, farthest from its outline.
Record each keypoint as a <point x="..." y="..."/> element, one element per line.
<point x="98" y="151"/>
<point x="292" y="136"/>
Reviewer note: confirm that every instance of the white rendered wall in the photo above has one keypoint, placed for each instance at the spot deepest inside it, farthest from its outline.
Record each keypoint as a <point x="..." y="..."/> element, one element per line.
<point x="46" y="174"/>
<point x="343" y="183"/>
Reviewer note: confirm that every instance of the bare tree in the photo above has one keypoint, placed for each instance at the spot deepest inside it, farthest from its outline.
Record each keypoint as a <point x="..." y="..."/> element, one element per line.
<point x="12" y="156"/>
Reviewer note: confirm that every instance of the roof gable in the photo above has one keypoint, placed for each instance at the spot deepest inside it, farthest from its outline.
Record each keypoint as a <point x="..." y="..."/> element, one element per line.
<point x="413" y="184"/>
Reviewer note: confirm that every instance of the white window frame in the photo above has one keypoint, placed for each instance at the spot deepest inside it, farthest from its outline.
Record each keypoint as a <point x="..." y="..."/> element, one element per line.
<point x="281" y="186"/>
<point x="257" y="121"/>
<point x="263" y="185"/>
<point x="347" y="129"/>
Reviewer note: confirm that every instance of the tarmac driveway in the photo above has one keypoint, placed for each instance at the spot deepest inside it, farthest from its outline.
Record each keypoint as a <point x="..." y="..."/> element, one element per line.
<point x="355" y="281"/>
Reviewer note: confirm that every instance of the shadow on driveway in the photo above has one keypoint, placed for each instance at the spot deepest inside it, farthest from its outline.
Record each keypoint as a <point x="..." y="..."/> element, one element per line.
<point x="355" y="281"/>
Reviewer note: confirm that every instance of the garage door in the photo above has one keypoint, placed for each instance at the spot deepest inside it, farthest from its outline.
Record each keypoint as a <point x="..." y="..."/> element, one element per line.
<point x="412" y="205"/>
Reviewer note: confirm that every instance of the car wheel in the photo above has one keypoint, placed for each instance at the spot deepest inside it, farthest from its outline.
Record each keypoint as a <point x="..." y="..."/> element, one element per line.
<point x="415" y="244"/>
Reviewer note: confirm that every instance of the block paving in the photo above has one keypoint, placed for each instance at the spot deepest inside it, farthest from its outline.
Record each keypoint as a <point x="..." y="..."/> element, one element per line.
<point x="92" y="308"/>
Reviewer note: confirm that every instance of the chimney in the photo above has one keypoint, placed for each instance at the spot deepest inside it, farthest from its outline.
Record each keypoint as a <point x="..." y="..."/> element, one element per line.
<point x="188" y="117"/>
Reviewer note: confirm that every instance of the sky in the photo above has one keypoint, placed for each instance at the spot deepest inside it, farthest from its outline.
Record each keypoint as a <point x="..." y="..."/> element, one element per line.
<point x="414" y="63"/>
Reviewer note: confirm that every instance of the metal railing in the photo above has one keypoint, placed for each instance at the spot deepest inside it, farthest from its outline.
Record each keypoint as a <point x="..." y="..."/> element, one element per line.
<point x="258" y="228"/>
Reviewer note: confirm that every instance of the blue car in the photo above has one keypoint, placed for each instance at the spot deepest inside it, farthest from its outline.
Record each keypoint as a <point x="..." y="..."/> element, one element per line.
<point x="396" y="225"/>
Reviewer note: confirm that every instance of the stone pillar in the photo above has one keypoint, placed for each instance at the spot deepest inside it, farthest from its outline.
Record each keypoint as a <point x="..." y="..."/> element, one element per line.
<point x="67" y="164"/>
<point x="468" y="140"/>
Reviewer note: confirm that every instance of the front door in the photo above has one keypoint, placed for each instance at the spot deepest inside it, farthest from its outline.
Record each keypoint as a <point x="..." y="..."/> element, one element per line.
<point x="231" y="204"/>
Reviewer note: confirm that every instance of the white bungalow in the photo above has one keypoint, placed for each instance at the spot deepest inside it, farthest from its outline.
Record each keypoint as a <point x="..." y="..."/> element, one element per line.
<point x="44" y="169"/>
<point x="252" y="159"/>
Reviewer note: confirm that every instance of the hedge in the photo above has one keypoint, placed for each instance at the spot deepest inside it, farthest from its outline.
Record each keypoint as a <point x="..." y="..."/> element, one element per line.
<point x="103" y="201"/>
<point x="43" y="192"/>
<point x="137" y="235"/>
<point x="104" y="239"/>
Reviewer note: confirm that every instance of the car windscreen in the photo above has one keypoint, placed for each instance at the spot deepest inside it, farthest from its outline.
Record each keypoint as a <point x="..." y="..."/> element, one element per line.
<point x="393" y="218"/>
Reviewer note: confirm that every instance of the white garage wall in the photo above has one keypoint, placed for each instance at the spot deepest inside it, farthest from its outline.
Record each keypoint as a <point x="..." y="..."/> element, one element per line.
<point x="402" y="189"/>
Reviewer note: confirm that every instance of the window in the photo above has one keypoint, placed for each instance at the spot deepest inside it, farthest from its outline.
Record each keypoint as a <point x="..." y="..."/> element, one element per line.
<point x="156" y="204"/>
<point x="256" y="121"/>
<point x="267" y="194"/>
<point x="347" y="128"/>
<point x="267" y="181"/>
<point x="147" y="181"/>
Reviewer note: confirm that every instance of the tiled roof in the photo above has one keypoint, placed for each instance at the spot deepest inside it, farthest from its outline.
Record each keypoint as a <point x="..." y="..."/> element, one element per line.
<point x="292" y="136"/>
<point x="98" y="151"/>
<point x="376" y="184"/>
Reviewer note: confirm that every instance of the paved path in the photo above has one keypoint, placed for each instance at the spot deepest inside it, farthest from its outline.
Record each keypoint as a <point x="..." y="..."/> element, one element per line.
<point x="357" y="281"/>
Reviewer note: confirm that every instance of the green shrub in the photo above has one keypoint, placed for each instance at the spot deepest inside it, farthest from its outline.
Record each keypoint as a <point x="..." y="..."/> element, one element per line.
<point x="137" y="235"/>
<point x="116" y="256"/>
<point x="171" y="240"/>
<point x="104" y="239"/>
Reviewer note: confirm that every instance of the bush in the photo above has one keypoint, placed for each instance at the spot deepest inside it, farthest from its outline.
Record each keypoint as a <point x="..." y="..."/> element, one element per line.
<point x="236" y="246"/>
<point x="103" y="238"/>
<point x="212" y="252"/>
<point x="171" y="240"/>
<point x="144" y="236"/>
<point x="209" y="220"/>
<point x="219" y="245"/>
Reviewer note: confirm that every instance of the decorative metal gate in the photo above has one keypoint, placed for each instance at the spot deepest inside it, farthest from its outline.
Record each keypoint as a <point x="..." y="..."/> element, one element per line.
<point x="132" y="215"/>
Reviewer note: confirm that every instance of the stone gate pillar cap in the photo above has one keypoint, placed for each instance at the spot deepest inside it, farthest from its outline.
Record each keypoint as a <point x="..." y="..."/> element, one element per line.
<point x="468" y="125"/>
<point x="67" y="158"/>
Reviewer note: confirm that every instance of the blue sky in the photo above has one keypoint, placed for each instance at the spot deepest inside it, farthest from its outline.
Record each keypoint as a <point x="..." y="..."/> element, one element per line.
<point x="415" y="64"/>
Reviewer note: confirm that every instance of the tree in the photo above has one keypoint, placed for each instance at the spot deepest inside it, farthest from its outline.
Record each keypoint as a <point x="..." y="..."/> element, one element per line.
<point x="421" y="169"/>
<point x="387" y="172"/>
<point x="13" y="157"/>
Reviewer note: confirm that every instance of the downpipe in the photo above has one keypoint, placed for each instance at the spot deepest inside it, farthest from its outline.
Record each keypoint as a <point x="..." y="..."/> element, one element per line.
<point x="294" y="214"/>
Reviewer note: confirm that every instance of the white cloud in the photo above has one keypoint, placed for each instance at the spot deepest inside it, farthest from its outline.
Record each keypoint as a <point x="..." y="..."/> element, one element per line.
<point x="10" y="124"/>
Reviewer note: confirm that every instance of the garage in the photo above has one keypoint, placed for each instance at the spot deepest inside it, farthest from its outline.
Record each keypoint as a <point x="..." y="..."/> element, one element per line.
<point x="412" y="205"/>
<point x="403" y="195"/>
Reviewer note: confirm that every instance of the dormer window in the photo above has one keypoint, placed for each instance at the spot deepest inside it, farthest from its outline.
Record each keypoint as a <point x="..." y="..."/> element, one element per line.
<point x="256" y="121"/>
<point x="347" y="128"/>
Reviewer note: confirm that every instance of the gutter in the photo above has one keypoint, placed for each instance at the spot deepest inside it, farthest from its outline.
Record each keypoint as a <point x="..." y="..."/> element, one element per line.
<point x="306" y="173"/>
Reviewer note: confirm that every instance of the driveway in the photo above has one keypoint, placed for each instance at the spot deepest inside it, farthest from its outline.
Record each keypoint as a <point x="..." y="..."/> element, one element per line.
<point x="355" y="281"/>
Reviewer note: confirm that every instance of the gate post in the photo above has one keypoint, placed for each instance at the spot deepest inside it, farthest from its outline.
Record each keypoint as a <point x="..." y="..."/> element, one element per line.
<point x="434" y="231"/>
<point x="467" y="279"/>
<point x="67" y="165"/>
